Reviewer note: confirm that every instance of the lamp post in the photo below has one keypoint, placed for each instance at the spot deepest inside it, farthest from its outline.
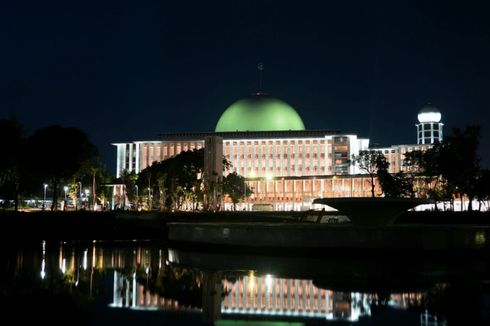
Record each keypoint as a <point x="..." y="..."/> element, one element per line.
<point x="80" y="189"/>
<point x="137" y="201"/>
<point x="150" y="204"/>
<point x="44" y="196"/>
<point x="66" y="189"/>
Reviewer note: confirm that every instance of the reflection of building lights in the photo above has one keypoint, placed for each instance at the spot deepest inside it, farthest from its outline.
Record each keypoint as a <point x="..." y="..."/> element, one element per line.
<point x="147" y="270"/>
<point x="43" y="263"/>
<point x="63" y="266"/>
<point x="85" y="259"/>
<point x="43" y="266"/>
<point x="94" y="255"/>
<point x="173" y="257"/>
<point x="60" y="262"/>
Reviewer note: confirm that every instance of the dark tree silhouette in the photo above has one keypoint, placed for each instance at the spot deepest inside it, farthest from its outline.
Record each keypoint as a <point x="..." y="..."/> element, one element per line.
<point x="174" y="180"/>
<point x="450" y="167"/>
<point x="459" y="160"/>
<point x="12" y="142"/>
<point x="393" y="185"/>
<point x="235" y="187"/>
<point x="367" y="162"/>
<point x="482" y="187"/>
<point x="57" y="153"/>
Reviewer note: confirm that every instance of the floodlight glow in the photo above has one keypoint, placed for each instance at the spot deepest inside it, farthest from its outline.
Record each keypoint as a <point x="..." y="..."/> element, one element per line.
<point x="429" y="117"/>
<point x="259" y="113"/>
<point x="268" y="282"/>
<point x="251" y="281"/>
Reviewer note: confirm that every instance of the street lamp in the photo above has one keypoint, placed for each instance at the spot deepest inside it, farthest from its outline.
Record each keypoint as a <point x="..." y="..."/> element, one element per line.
<point x="80" y="188"/>
<point x="66" y="189"/>
<point x="44" y="197"/>
<point x="137" y="201"/>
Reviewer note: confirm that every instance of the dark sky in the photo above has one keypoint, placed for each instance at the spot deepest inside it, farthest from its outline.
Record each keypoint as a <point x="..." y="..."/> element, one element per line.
<point x="127" y="70"/>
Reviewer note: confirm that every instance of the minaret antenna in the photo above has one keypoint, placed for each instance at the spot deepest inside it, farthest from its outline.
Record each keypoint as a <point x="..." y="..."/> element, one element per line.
<point x="260" y="68"/>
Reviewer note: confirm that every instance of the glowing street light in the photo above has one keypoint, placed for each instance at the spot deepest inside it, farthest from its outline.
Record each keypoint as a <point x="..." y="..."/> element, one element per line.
<point x="44" y="196"/>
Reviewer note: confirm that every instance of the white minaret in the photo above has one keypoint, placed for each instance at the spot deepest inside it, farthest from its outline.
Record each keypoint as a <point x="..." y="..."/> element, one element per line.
<point x="429" y="128"/>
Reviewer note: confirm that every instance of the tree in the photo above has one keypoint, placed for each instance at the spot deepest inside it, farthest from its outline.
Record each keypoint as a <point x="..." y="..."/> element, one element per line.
<point x="129" y="180"/>
<point x="450" y="167"/>
<point x="59" y="153"/>
<point x="162" y="189"/>
<point x="367" y="162"/>
<point x="12" y="142"/>
<point x="145" y="182"/>
<point x="236" y="188"/>
<point x="92" y="172"/>
<point x="427" y="166"/>
<point x="175" y="181"/>
<point x="459" y="161"/>
<point x="482" y="187"/>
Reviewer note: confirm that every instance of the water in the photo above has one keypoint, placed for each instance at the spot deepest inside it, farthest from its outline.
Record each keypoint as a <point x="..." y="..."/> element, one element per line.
<point x="96" y="283"/>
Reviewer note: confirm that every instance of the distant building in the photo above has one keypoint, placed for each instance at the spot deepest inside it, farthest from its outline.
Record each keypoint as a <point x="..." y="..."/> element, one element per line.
<point x="284" y="164"/>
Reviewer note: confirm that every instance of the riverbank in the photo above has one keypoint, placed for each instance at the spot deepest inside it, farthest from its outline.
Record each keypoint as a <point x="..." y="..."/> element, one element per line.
<point x="126" y="225"/>
<point x="113" y="225"/>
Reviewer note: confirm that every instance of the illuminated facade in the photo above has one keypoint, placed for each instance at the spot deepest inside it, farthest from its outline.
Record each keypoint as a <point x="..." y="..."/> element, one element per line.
<point x="265" y="141"/>
<point x="395" y="154"/>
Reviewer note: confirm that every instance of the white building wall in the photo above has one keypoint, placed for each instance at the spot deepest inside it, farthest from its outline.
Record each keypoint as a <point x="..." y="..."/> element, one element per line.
<point x="294" y="159"/>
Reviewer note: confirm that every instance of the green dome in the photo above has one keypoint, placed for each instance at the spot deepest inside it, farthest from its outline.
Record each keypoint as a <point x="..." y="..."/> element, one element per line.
<point x="259" y="113"/>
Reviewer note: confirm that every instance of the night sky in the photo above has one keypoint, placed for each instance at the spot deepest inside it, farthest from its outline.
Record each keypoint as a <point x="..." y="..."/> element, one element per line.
<point x="127" y="70"/>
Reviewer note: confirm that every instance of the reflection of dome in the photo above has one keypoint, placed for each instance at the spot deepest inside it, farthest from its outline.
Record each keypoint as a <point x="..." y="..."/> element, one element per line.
<point x="259" y="113"/>
<point x="429" y="114"/>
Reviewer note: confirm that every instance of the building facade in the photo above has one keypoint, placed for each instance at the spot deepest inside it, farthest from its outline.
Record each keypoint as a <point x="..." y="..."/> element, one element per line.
<point x="284" y="164"/>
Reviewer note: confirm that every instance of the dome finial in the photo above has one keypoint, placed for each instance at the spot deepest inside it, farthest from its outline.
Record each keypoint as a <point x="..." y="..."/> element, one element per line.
<point x="260" y="68"/>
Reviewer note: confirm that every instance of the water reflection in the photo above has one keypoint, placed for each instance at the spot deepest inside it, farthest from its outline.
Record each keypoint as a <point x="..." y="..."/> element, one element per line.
<point x="150" y="277"/>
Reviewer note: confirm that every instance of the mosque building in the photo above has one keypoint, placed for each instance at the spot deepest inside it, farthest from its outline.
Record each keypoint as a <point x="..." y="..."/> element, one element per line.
<point x="285" y="164"/>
